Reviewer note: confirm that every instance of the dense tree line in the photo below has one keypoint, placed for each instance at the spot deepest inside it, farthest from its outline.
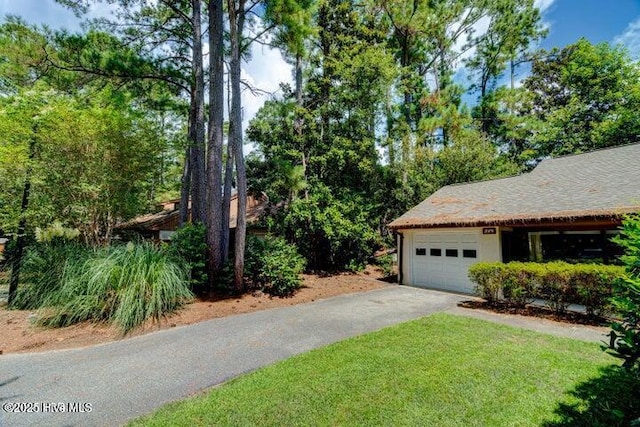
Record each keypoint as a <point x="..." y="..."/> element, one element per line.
<point x="374" y="122"/>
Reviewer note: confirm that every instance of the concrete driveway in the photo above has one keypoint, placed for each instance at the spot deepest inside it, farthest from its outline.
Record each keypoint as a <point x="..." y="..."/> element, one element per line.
<point x="115" y="382"/>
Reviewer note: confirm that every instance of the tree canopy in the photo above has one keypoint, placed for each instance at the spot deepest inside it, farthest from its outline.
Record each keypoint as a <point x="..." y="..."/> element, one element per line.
<point x="139" y="106"/>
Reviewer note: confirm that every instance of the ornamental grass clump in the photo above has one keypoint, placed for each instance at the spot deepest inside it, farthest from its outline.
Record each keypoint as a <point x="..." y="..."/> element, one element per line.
<point x="45" y="265"/>
<point x="124" y="285"/>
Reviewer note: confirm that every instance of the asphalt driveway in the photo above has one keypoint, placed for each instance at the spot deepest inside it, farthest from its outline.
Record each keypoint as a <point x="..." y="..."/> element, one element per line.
<point x="108" y="384"/>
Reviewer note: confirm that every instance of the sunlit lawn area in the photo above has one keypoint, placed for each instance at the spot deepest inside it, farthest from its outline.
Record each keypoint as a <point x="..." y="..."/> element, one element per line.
<point x="441" y="370"/>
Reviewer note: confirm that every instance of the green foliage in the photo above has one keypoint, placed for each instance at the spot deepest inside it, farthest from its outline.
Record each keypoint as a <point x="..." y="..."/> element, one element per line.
<point x="558" y="283"/>
<point x="189" y="245"/>
<point x="331" y="233"/>
<point x="273" y="265"/>
<point x="124" y="285"/>
<point x="93" y="165"/>
<point x="44" y="267"/>
<point x="386" y="264"/>
<point x="56" y="231"/>
<point x="625" y="336"/>
<point x="585" y="96"/>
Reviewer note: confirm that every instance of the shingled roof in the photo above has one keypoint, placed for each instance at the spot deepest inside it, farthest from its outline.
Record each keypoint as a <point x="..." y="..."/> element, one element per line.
<point x="167" y="219"/>
<point x="602" y="183"/>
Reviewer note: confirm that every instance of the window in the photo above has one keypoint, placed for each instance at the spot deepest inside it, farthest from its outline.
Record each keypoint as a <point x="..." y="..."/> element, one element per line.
<point x="421" y="251"/>
<point x="451" y="253"/>
<point x="469" y="253"/>
<point x="435" y="252"/>
<point x="165" y="234"/>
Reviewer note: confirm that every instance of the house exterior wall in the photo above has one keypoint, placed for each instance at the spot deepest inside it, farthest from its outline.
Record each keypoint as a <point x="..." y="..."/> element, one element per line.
<point x="488" y="248"/>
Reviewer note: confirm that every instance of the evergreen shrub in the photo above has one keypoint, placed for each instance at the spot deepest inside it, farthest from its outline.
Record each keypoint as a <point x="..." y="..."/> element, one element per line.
<point x="559" y="284"/>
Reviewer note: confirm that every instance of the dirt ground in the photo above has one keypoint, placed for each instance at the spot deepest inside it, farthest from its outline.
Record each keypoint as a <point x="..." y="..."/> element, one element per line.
<point x="18" y="335"/>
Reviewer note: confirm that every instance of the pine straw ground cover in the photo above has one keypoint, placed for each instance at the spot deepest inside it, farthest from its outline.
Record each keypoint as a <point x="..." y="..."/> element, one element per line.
<point x="441" y="370"/>
<point x="21" y="334"/>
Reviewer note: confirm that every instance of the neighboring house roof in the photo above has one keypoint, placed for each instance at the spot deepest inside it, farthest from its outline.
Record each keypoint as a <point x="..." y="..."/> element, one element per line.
<point x="167" y="219"/>
<point x="602" y="183"/>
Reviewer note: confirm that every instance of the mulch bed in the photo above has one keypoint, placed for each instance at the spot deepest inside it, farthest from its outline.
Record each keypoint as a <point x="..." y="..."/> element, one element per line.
<point x="539" y="311"/>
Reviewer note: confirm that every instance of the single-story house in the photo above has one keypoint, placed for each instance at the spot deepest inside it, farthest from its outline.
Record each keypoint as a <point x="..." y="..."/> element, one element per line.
<point x="161" y="225"/>
<point x="567" y="208"/>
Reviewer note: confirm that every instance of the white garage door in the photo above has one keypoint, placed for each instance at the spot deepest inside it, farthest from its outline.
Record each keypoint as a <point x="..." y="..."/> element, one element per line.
<point x="442" y="260"/>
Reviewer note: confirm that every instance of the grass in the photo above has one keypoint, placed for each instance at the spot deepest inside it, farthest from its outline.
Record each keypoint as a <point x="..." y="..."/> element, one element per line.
<point x="123" y="284"/>
<point x="441" y="370"/>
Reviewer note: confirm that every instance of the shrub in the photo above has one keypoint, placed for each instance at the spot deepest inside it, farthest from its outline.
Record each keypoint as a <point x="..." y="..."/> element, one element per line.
<point x="273" y="265"/>
<point x="386" y="265"/>
<point x="594" y="286"/>
<point x="488" y="279"/>
<point x="520" y="283"/>
<point x="555" y="286"/>
<point x="558" y="283"/>
<point x="331" y="233"/>
<point x="625" y="335"/>
<point x="189" y="245"/>
<point x="125" y="285"/>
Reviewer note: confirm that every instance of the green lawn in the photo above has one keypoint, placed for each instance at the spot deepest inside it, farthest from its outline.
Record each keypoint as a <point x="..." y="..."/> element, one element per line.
<point x="441" y="370"/>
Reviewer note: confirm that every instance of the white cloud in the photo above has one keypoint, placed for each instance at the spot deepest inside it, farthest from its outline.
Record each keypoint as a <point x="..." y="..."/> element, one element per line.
<point x="40" y="12"/>
<point x="630" y="38"/>
<point x="543" y="5"/>
<point x="477" y="30"/>
<point x="265" y="71"/>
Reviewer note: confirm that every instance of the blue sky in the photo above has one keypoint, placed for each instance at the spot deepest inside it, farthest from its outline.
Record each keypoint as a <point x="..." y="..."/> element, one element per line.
<point x="598" y="20"/>
<point x="614" y="21"/>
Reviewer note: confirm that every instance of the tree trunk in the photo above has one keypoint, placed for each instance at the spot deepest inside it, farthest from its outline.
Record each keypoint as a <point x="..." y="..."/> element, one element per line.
<point x="226" y="203"/>
<point x="22" y="225"/>
<point x="215" y="209"/>
<point x="236" y="25"/>
<point x="299" y="122"/>
<point x="185" y="189"/>
<point x="197" y="164"/>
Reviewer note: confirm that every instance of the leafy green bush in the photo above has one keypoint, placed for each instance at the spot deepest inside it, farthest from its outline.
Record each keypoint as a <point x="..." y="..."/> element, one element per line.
<point x="386" y="264"/>
<point x="594" y="285"/>
<point x="520" y="283"/>
<point x="555" y="286"/>
<point x="189" y="245"/>
<point x="273" y="265"/>
<point x="331" y="233"/>
<point x="558" y="283"/>
<point x="488" y="279"/>
<point x="625" y="336"/>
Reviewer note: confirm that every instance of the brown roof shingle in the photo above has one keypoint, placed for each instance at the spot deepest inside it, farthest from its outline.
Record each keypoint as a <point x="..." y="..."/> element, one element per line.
<point x="600" y="183"/>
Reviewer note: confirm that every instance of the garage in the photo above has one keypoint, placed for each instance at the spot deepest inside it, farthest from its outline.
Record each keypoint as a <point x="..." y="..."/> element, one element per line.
<point x="566" y="208"/>
<point x="441" y="259"/>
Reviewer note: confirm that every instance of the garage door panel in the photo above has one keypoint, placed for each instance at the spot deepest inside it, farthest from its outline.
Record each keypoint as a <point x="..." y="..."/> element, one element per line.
<point x="436" y="269"/>
<point x="469" y="238"/>
<point x="434" y="238"/>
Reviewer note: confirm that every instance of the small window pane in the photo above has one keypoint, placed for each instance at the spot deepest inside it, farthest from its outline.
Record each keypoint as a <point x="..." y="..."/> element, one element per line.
<point x="451" y="252"/>
<point x="421" y="251"/>
<point x="469" y="253"/>
<point x="435" y="252"/>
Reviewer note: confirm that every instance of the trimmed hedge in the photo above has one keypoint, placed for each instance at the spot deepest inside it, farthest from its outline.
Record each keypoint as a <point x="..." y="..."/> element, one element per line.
<point x="558" y="283"/>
